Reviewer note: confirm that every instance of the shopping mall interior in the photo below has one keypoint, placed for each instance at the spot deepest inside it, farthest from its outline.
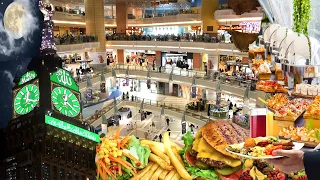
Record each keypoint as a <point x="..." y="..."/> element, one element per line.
<point x="160" y="89"/>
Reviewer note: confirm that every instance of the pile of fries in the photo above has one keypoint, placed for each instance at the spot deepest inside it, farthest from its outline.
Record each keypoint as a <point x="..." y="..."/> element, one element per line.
<point x="165" y="162"/>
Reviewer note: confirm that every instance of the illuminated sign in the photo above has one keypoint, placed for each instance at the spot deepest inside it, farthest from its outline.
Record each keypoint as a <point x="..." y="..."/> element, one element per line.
<point x="64" y="78"/>
<point x="28" y="76"/>
<point x="72" y="128"/>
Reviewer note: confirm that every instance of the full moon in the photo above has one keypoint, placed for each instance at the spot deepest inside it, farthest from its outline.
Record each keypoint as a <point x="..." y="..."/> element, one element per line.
<point x="14" y="19"/>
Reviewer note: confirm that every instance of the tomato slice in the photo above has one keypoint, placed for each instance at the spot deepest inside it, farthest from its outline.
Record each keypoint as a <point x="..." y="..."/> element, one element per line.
<point x="234" y="176"/>
<point x="190" y="159"/>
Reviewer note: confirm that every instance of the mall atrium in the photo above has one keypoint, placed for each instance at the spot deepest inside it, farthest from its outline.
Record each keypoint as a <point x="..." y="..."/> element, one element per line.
<point x="163" y="89"/>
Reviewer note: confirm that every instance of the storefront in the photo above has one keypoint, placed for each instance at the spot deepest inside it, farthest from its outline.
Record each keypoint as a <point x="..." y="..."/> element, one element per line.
<point x="139" y="57"/>
<point x="177" y="60"/>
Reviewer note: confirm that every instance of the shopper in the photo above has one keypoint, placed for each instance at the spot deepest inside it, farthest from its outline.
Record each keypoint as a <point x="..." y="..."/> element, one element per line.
<point x="160" y="137"/>
<point x="191" y="128"/>
<point x="168" y="121"/>
<point x="169" y="130"/>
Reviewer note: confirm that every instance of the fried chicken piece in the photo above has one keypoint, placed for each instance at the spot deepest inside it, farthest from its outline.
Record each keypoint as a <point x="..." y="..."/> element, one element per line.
<point x="249" y="143"/>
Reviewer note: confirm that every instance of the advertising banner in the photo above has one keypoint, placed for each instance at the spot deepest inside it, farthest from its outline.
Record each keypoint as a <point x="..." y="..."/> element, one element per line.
<point x="213" y="62"/>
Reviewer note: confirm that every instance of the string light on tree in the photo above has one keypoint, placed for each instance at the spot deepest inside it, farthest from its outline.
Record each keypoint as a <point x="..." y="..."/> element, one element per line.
<point x="47" y="31"/>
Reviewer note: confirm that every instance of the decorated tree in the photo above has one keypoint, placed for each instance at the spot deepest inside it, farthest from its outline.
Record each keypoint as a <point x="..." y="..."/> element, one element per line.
<point x="47" y="31"/>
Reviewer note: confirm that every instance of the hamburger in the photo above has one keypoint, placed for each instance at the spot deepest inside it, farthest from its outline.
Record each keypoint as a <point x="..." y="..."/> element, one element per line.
<point x="205" y="155"/>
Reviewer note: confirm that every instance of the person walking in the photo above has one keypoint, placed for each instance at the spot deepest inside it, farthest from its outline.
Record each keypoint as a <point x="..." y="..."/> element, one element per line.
<point x="168" y="121"/>
<point x="160" y="137"/>
<point x="169" y="130"/>
<point x="191" y="128"/>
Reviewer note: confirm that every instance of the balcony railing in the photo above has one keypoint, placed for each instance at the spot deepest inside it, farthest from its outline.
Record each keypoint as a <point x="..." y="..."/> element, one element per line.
<point x="177" y="38"/>
<point x="75" y="39"/>
<point x="138" y="100"/>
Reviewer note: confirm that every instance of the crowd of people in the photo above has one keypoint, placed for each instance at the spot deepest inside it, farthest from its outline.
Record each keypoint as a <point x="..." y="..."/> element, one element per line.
<point x="72" y="39"/>
<point x="188" y="37"/>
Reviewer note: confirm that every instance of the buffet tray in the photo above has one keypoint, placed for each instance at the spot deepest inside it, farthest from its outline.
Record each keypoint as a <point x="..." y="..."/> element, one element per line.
<point x="302" y="96"/>
<point x="306" y="144"/>
<point x="288" y="118"/>
<point x="309" y="116"/>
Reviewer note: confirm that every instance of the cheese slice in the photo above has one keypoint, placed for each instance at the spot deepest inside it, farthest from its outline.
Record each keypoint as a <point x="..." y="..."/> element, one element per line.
<point x="206" y="151"/>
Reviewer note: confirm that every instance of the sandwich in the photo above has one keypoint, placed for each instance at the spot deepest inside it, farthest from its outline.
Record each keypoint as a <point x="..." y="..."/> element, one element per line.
<point x="205" y="155"/>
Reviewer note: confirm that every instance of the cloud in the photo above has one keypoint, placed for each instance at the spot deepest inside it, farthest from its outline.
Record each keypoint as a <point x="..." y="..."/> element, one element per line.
<point x="8" y="43"/>
<point x="8" y="75"/>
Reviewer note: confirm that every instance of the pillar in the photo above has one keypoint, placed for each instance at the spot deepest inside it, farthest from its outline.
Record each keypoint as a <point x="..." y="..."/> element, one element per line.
<point x="94" y="19"/>
<point x="209" y="24"/>
<point x="121" y="17"/>
<point x="158" y="58"/>
<point x="196" y="61"/>
<point x="120" y="56"/>
<point x="112" y="14"/>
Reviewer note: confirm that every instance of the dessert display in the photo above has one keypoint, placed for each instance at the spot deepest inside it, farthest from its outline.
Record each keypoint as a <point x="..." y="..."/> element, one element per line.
<point x="292" y="109"/>
<point x="306" y="90"/>
<point x="264" y="71"/>
<point x="262" y="147"/>
<point x="271" y="87"/>
<point x="205" y="154"/>
<point x="313" y="110"/>
<point x="277" y="101"/>
<point x="310" y="137"/>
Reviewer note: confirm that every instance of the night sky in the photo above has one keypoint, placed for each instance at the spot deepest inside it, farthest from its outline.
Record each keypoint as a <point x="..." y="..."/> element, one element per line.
<point x="15" y="54"/>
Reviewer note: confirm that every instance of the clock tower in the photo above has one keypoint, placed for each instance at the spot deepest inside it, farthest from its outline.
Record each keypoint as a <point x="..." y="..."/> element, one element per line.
<point x="46" y="138"/>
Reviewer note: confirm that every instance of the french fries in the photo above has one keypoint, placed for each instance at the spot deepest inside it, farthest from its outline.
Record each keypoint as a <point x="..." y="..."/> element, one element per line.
<point x="176" y="177"/>
<point x="160" y="154"/>
<point x="156" y="175"/>
<point x="170" y="174"/>
<point x="175" y="145"/>
<point x="150" y="173"/>
<point x="165" y="162"/>
<point x="174" y="160"/>
<point x="143" y="172"/>
<point x="163" y="174"/>
<point x="161" y="162"/>
<point x="176" y="153"/>
<point x="158" y="145"/>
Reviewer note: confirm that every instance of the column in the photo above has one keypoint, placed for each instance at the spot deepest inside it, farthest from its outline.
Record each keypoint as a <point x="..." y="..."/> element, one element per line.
<point x="154" y="11"/>
<point x="209" y="24"/>
<point x="196" y="61"/>
<point x="120" y="56"/>
<point x="112" y="11"/>
<point x="121" y="17"/>
<point x="94" y="19"/>
<point x="158" y="58"/>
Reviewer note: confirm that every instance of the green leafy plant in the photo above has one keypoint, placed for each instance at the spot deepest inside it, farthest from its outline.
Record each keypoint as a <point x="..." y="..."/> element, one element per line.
<point x="301" y="16"/>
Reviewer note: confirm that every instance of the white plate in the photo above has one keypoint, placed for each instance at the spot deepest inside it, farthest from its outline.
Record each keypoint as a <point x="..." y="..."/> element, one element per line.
<point x="297" y="146"/>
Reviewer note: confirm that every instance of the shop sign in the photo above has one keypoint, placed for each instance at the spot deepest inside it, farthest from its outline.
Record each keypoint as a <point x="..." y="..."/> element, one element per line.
<point x="64" y="78"/>
<point x="28" y="76"/>
<point x="72" y="129"/>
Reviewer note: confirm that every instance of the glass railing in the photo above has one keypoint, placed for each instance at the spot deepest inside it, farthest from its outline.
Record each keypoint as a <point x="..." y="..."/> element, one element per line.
<point x="75" y="39"/>
<point x="174" y="38"/>
<point x="138" y="100"/>
<point x="158" y="69"/>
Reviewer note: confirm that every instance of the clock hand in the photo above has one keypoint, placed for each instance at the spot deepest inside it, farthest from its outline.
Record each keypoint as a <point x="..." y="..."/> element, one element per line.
<point x="32" y="100"/>
<point x="71" y="107"/>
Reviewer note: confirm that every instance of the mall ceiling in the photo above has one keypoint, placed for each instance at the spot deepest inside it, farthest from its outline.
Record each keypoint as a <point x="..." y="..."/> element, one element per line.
<point x="181" y="4"/>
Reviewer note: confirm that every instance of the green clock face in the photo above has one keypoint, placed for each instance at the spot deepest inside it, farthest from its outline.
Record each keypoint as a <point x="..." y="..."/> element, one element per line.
<point x="26" y="99"/>
<point x="65" y="101"/>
